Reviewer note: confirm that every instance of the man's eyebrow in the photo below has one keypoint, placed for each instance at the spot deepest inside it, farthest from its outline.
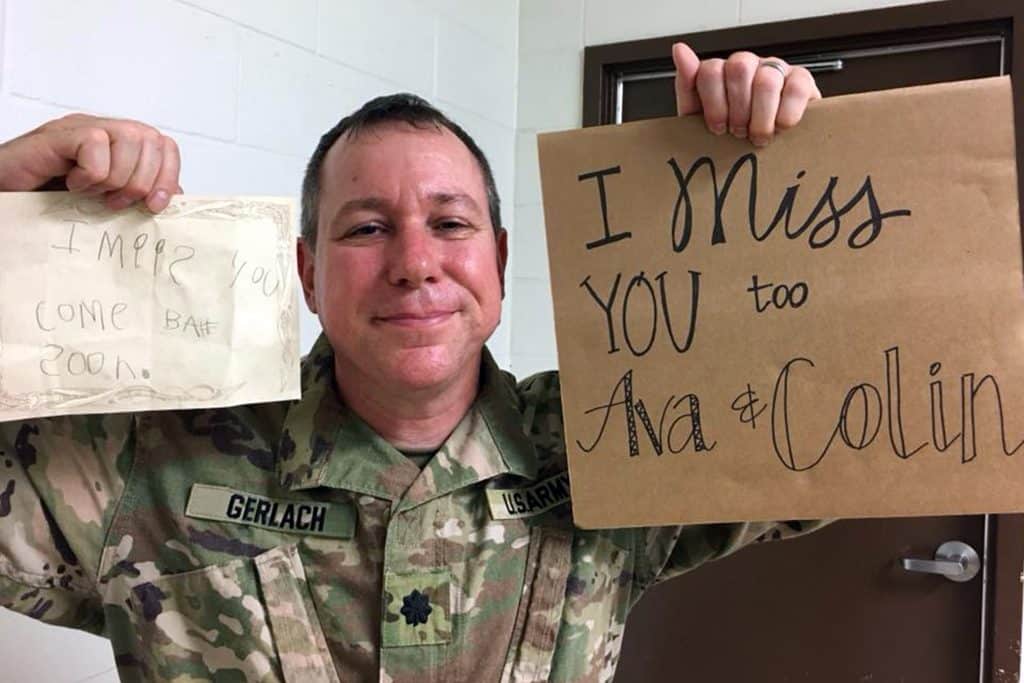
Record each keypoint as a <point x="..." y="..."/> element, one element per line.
<point x="380" y="204"/>
<point x="364" y="204"/>
<point x="444" y="198"/>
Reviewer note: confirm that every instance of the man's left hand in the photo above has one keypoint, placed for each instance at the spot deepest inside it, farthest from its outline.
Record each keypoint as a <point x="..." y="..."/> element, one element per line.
<point x="746" y="95"/>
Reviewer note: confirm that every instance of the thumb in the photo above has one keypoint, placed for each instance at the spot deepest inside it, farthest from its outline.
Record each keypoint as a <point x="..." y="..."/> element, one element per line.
<point x="687" y="64"/>
<point x="87" y="150"/>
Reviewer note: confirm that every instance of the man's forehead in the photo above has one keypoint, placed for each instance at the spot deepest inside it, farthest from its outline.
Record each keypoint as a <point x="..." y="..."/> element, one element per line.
<point x="383" y="151"/>
<point x="396" y="134"/>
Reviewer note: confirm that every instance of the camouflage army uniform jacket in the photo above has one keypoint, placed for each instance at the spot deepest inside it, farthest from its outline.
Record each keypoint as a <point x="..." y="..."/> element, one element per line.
<point x="288" y="541"/>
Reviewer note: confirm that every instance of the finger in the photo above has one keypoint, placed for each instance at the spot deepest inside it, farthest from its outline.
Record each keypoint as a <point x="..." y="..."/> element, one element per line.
<point x="143" y="177"/>
<point x="166" y="184"/>
<point x="798" y="90"/>
<point x="739" y="79"/>
<point x="125" y="150"/>
<point x="711" y="88"/>
<point x="89" y="150"/>
<point x="764" y="102"/>
<point x="687" y="63"/>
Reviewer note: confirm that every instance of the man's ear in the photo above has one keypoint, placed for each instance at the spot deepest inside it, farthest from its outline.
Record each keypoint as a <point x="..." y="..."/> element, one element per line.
<point x="502" y="248"/>
<point x="307" y="272"/>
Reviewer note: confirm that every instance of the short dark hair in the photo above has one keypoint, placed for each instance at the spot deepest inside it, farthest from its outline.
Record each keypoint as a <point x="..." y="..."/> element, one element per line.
<point x="402" y="108"/>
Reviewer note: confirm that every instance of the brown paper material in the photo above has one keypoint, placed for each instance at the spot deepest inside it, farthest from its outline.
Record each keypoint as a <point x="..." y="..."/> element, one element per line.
<point x="119" y="311"/>
<point x="824" y="367"/>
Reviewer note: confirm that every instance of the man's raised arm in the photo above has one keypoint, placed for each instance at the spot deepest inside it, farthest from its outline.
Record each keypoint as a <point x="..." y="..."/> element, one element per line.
<point x="61" y="478"/>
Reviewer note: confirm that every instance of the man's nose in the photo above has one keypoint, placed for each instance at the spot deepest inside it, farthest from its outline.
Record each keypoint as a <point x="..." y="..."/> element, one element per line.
<point x="414" y="258"/>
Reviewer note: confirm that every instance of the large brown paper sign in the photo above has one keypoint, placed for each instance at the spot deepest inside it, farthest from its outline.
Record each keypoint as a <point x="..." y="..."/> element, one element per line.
<point x="828" y="327"/>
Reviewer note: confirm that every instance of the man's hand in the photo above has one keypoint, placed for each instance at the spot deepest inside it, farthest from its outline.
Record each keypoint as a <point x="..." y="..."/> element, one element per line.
<point x="124" y="161"/>
<point x="745" y="95"/>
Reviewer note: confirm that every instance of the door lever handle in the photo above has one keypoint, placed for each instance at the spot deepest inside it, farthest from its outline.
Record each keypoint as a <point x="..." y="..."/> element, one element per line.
<point x="950" y="568"/>
<point x="954" y="560"/>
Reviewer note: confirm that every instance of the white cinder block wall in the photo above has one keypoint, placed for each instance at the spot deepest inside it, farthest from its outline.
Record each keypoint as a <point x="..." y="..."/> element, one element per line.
<point x="246" y="87"/>
<point x="552" y="35"/>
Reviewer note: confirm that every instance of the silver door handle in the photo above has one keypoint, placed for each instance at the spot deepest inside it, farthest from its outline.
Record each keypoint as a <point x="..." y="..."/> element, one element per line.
<point x="955" y="560"/>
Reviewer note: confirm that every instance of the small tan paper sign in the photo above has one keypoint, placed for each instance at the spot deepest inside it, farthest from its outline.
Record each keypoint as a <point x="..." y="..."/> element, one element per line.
<point x="832" y="326"/>
<point x="120" y="311"/>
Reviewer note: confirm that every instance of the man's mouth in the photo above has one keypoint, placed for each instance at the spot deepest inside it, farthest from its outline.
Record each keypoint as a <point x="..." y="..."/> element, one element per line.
<point x="415" y="320"/>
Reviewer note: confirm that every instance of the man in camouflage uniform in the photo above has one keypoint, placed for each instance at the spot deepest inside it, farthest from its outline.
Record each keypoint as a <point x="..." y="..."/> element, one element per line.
<point x="408" y="519"/>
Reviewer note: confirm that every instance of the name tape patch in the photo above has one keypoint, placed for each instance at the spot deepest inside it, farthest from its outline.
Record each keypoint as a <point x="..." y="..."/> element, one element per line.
<point x="222" y="504"/>
<point x="531" y="500"/>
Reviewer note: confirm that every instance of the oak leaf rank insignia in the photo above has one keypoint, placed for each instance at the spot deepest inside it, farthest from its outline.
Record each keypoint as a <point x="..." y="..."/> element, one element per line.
<point x="416" y="608"/>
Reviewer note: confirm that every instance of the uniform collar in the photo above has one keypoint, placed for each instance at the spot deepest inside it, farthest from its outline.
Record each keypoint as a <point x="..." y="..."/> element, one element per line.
<point x="325" y="444"/>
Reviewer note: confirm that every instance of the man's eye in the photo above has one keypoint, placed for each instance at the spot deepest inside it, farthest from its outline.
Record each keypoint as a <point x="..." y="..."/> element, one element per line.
<point x="450" y="225"/>
<point x="364" y="230"/>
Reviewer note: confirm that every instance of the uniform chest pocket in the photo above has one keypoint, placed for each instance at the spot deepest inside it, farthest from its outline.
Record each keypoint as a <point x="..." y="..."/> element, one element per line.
<point x="593" y="592"/>
<point x="596" y="603"/>
<point x="570" y="616"/>
<point x="249" y="620"/>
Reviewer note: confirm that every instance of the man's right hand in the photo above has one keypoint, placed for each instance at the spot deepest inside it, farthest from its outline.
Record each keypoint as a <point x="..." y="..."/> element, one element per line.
<point x="123" y="161"/>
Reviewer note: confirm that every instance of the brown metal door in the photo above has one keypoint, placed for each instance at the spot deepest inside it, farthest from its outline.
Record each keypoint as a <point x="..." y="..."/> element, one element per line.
<point x="836" y="606"/>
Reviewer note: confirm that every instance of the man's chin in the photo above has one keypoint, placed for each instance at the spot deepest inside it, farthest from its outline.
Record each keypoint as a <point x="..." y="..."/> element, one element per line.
<point x="423" y="367"/>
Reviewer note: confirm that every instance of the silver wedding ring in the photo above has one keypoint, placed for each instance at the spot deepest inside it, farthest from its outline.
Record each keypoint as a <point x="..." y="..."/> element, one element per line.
<point x="774" y="64"/>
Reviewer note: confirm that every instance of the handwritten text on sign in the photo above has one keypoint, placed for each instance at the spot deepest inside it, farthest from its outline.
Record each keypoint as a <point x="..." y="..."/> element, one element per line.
<point x="832" y="326"/>
<point x="114" y="311"/>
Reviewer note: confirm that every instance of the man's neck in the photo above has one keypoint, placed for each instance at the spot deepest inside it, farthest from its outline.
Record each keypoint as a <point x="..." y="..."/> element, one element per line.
<point x="408" y="419"/>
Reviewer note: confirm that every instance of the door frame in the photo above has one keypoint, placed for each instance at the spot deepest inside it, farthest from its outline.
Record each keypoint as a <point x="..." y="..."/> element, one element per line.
<point x="603" y="65"/>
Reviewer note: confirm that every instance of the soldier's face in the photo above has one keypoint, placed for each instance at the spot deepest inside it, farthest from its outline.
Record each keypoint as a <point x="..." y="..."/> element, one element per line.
<point x="408" y="271"/>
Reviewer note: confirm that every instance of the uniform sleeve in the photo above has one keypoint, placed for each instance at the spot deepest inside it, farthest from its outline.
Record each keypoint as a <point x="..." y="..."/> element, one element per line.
<point x="61" y="480"/>
<point x="666" y="552"/>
